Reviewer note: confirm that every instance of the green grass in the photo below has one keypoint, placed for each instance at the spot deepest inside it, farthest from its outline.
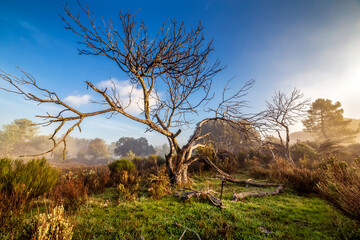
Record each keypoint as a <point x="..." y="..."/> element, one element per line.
<point x="287" y="216"/>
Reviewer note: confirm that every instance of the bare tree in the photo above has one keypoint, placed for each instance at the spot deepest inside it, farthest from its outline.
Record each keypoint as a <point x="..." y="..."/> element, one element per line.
<point x="283" y="112"/>
<point x="175" y="62"/>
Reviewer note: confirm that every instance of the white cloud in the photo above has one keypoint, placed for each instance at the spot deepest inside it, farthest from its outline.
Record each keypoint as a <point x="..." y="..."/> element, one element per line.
<point x="78" y="100"/>
<point x="125" y="91"/>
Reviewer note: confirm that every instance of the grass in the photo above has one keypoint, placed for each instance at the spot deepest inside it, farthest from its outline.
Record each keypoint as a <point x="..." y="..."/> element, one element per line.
<point x="286" y="216"/>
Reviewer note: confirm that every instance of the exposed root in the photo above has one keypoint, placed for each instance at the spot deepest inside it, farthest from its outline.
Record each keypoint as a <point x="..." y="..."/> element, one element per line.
<point x="237" y="196"/>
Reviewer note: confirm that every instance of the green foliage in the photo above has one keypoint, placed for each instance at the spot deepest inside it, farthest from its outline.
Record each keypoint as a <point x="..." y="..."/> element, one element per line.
<point x="287" y="215"/>
<point x="35" y="177"/>
<point x="19" y="137"/>
<point x="303" y="153"/>
<point x="20" y="183"/>
<point x="122" y="164"/>
<point x="128" y="187"/>
<point x="139" y="146"/>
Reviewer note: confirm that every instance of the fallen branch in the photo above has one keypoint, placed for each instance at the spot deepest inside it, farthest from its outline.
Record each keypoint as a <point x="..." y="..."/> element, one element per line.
<point x="244" y="182"/>
<point x="237" y="196"/>
<point x="226" y="177"/>
<point x="186" y="229"/>
<point x="197" y="194"/>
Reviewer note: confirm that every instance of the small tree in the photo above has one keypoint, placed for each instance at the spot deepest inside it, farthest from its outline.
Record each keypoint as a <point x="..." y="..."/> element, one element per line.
<point x="13" y="135"/>
<point x="98" y="148"/>
<point x="176" y="62"/>
<point x="283" y="112"/>
<point x="325" y="120"/>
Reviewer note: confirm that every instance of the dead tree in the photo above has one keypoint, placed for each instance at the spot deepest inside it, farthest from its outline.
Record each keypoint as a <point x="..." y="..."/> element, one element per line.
<point x="283" y="112"/>
<point x="175" y="62"/>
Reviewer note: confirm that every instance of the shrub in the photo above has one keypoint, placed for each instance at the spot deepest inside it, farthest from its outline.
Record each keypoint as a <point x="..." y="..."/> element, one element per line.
<point x="70" y="191"/>
<point x="303" y="153"/>
<point x="46" y="226"/>
<point x="302" y="180"/>
<point x="121" y="165"/>
<point x="19" y="183"/>
<point x="255" y="170"/>
<point x="159" y="185"/>
<point x="117" y="169"/>
<point x="95" y="179"/>
<point x="34" y="178"/>
<point x="340" y="184"/>
<point x="128" y="187"/>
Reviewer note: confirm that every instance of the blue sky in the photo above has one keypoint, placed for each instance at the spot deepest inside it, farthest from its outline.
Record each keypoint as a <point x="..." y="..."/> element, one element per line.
<point x="312" y="45"/>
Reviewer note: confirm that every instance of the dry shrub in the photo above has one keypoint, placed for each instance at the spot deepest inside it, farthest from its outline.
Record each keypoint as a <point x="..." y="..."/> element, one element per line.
<point x="70" y="191"/>
<point x="255" y="170"/>
<point x="340" y="184"/>
<point x="48" y="226"/>
<point x="129" y="186"/>
<point x="302" y="180"/>
<point x="96" y="179"/>
<point x="159" y="185"/>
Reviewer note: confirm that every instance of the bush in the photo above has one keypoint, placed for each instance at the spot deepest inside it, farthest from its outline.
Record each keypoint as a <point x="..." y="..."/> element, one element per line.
<point x="47" y="226"/>
<point x="340" y="184"/>
<point x="159" y="185"/>
<point x="303" y="153"/>
<point x="95" y="179"/>
<point x="302" y="180"/>
<point x="34" y="178"/>
<point x="70" y="191"/>
<point x="129" y="186"/>
<point x="121" y="165"/>
<point x="19" y="183"/>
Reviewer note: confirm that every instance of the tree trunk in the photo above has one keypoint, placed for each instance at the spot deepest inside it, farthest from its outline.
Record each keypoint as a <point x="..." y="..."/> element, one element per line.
<point x="180" y="177"/>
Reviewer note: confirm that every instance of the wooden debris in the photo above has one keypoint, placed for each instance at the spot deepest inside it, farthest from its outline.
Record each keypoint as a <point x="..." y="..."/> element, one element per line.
<point x="265" y="230"/>
<point x="244" y="182"/>
<point x="186" y="229"/>
<point x="237" y="196"/>
<point x="197" y="194"/>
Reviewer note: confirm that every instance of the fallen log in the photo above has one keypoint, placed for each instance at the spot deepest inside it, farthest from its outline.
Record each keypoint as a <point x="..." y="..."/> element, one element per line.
<point x="247" y="182"/>
<point x="237" y="196"/>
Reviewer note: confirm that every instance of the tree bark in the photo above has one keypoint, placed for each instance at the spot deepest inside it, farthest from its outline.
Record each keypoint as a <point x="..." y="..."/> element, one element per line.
<point x="180" y="178"/>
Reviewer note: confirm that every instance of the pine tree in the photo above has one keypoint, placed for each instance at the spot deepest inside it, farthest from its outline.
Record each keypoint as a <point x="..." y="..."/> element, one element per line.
<point x="325" y="120"/>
